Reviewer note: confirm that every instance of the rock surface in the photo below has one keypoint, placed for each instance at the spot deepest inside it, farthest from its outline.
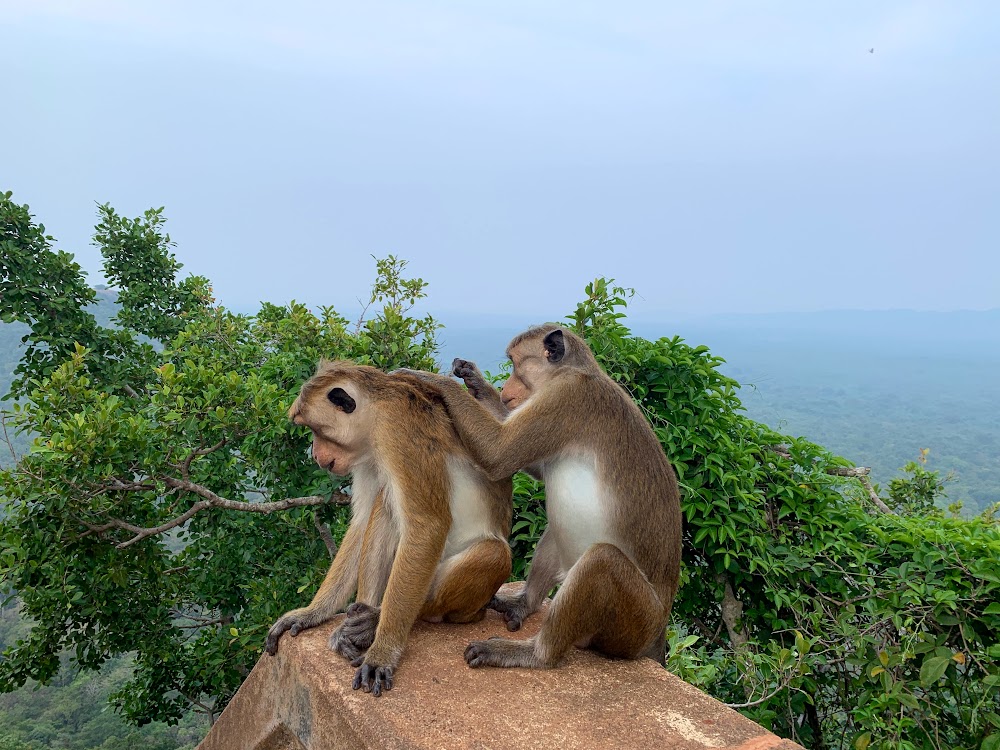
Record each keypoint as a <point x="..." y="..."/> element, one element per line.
<point x="302" y="698"/>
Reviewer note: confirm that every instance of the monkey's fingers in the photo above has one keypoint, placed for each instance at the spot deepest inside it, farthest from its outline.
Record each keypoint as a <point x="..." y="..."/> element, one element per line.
<point x="274" y="635"/>
<point x="359" y="608"/>
<point x="349" y="651"/>
<point x="373" y="679"/>
<point x="477" y="654"/>
<point x="463" y="368"/>
<point x="512" y="611"/>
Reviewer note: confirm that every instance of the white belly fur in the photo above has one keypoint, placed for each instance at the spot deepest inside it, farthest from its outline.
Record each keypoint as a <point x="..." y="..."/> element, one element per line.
<point x="574" y="505"/>
<point x="470" y="516"/>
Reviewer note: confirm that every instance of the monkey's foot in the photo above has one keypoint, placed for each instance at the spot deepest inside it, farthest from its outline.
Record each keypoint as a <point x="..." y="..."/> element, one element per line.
<point x="357" y="632"/>
<point x="289" y="622"/>
<point x="514" y="610"/>
<point x="502" y="652"/>
<point x="373" y="678"/>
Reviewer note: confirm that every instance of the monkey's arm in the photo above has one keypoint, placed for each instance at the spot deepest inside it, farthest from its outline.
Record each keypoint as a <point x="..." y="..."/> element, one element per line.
<point x="339" y="584"/>
<point x="545" y="573"/>
<point x="529" y="434"/>
<point x="479" y="387"/>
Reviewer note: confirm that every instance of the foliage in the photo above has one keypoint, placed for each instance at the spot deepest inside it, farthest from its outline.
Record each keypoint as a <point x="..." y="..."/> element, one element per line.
<point x="829" y="624"/>
<point x="825" y="591"/>
<point x="71" y="712"/>
<point x="879" y="629"/>
<point x="134" y="440"/>
<point x="916" y="493"/>
<point x="878" y="406"/>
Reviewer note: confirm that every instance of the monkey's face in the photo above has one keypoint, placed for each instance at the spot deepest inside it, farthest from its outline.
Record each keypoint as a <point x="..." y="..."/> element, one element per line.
<point x="530" y="369"/>
<point x="340" y="420"/>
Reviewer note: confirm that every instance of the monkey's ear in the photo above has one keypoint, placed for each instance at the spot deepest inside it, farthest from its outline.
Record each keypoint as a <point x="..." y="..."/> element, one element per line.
<point x="342" y="400"/>
<point x="555" y="346"/>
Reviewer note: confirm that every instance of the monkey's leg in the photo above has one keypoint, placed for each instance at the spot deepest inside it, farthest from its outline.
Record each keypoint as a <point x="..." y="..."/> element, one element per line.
<point x="465" y="582"/>
<point x="420" y="550"/>
<point x="605" y="604"/>
<point x="377" y="553"/>
<point x="356" y="633"/>
<point x="545" y="573"/>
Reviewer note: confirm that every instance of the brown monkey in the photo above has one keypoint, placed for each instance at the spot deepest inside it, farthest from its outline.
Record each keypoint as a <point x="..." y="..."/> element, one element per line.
<point x="613" y="539"/>
<point x="428" y="533"/>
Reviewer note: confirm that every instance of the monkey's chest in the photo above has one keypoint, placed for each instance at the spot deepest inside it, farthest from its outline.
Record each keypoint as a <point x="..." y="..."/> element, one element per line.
<point x="471" y="519"/>
<point x="576" y="508"/>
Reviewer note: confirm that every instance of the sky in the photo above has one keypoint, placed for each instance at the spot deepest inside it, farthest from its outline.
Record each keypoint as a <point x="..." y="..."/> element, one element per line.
<point x="717" y="157"/>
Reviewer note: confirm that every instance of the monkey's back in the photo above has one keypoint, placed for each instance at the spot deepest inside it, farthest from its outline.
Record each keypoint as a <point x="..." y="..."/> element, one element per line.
<point x="644" y="512"/>
<point x="425" y="433"/>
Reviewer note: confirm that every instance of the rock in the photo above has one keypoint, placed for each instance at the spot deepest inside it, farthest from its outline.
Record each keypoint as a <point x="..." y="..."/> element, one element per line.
<point x="302" y="698"/>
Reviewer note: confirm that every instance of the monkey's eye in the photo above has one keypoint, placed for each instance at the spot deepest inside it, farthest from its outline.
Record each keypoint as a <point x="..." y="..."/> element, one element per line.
<point x="342" y="400"/>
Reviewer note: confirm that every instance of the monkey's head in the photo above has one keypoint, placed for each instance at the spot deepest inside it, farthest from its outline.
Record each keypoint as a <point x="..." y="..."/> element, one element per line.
<point x="539" y="354"/>
<point x="336" y="405"/>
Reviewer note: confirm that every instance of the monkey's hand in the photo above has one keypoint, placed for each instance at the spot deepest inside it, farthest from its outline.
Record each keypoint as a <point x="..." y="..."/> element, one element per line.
<point x="467" y="371"/>
<point x="513" y="608"/>
<point x="357" y="632"/>
<point x="372" y="676"/>
<point x="295" y="621"/>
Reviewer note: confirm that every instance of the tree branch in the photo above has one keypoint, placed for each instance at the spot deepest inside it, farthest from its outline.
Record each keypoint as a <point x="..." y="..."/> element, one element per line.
<point x="185" y="468"/>
<point x="766" y="698"/>
<point x="859" y="472"/>
<point x="732" y="613"/>
<point x="326" y="535"/>
<point x="209" y="500"/>
<point x="6" y="437"/>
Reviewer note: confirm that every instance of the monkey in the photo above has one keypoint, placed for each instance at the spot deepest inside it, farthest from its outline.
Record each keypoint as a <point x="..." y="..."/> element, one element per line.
<point x="428" y="531"/>
<point x="613" y="539"/>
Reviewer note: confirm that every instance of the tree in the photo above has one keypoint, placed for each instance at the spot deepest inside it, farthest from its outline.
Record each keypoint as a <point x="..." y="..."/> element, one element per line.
<point x="168" y="508"/>
<point x="127" y="498"/>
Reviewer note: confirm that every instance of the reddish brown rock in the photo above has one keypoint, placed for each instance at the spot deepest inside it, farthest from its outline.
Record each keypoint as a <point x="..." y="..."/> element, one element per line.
<point x="302" y="698"/>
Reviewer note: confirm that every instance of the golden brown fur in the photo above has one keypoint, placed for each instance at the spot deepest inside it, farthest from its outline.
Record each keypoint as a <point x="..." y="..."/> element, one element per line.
<point x="613" y="539"/>
<point x="428" y="535"/>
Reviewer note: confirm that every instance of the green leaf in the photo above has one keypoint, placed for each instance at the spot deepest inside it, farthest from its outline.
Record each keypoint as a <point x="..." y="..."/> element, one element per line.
<point x="933" y="669"/>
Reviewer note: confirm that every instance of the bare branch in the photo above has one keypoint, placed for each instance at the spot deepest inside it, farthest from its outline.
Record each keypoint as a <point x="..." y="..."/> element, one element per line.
<point x="216" y="501"/>
<point x="129" y="390"/>
<point x="849" y="471"/>
<point x="873" y="495"/>
<point x="861" y="473"/>
<point x="209" y="500"/>
<point x="6" y="437"/>
<point x="326" y="535"/>
<point x="766" y="698"/>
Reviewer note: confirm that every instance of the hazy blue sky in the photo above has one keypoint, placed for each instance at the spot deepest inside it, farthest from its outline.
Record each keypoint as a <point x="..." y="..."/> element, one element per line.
<point x="716" y="156"/>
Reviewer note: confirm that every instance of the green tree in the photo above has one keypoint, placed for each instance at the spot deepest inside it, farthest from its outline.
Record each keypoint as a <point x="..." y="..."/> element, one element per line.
<point x="149" y="491"/>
